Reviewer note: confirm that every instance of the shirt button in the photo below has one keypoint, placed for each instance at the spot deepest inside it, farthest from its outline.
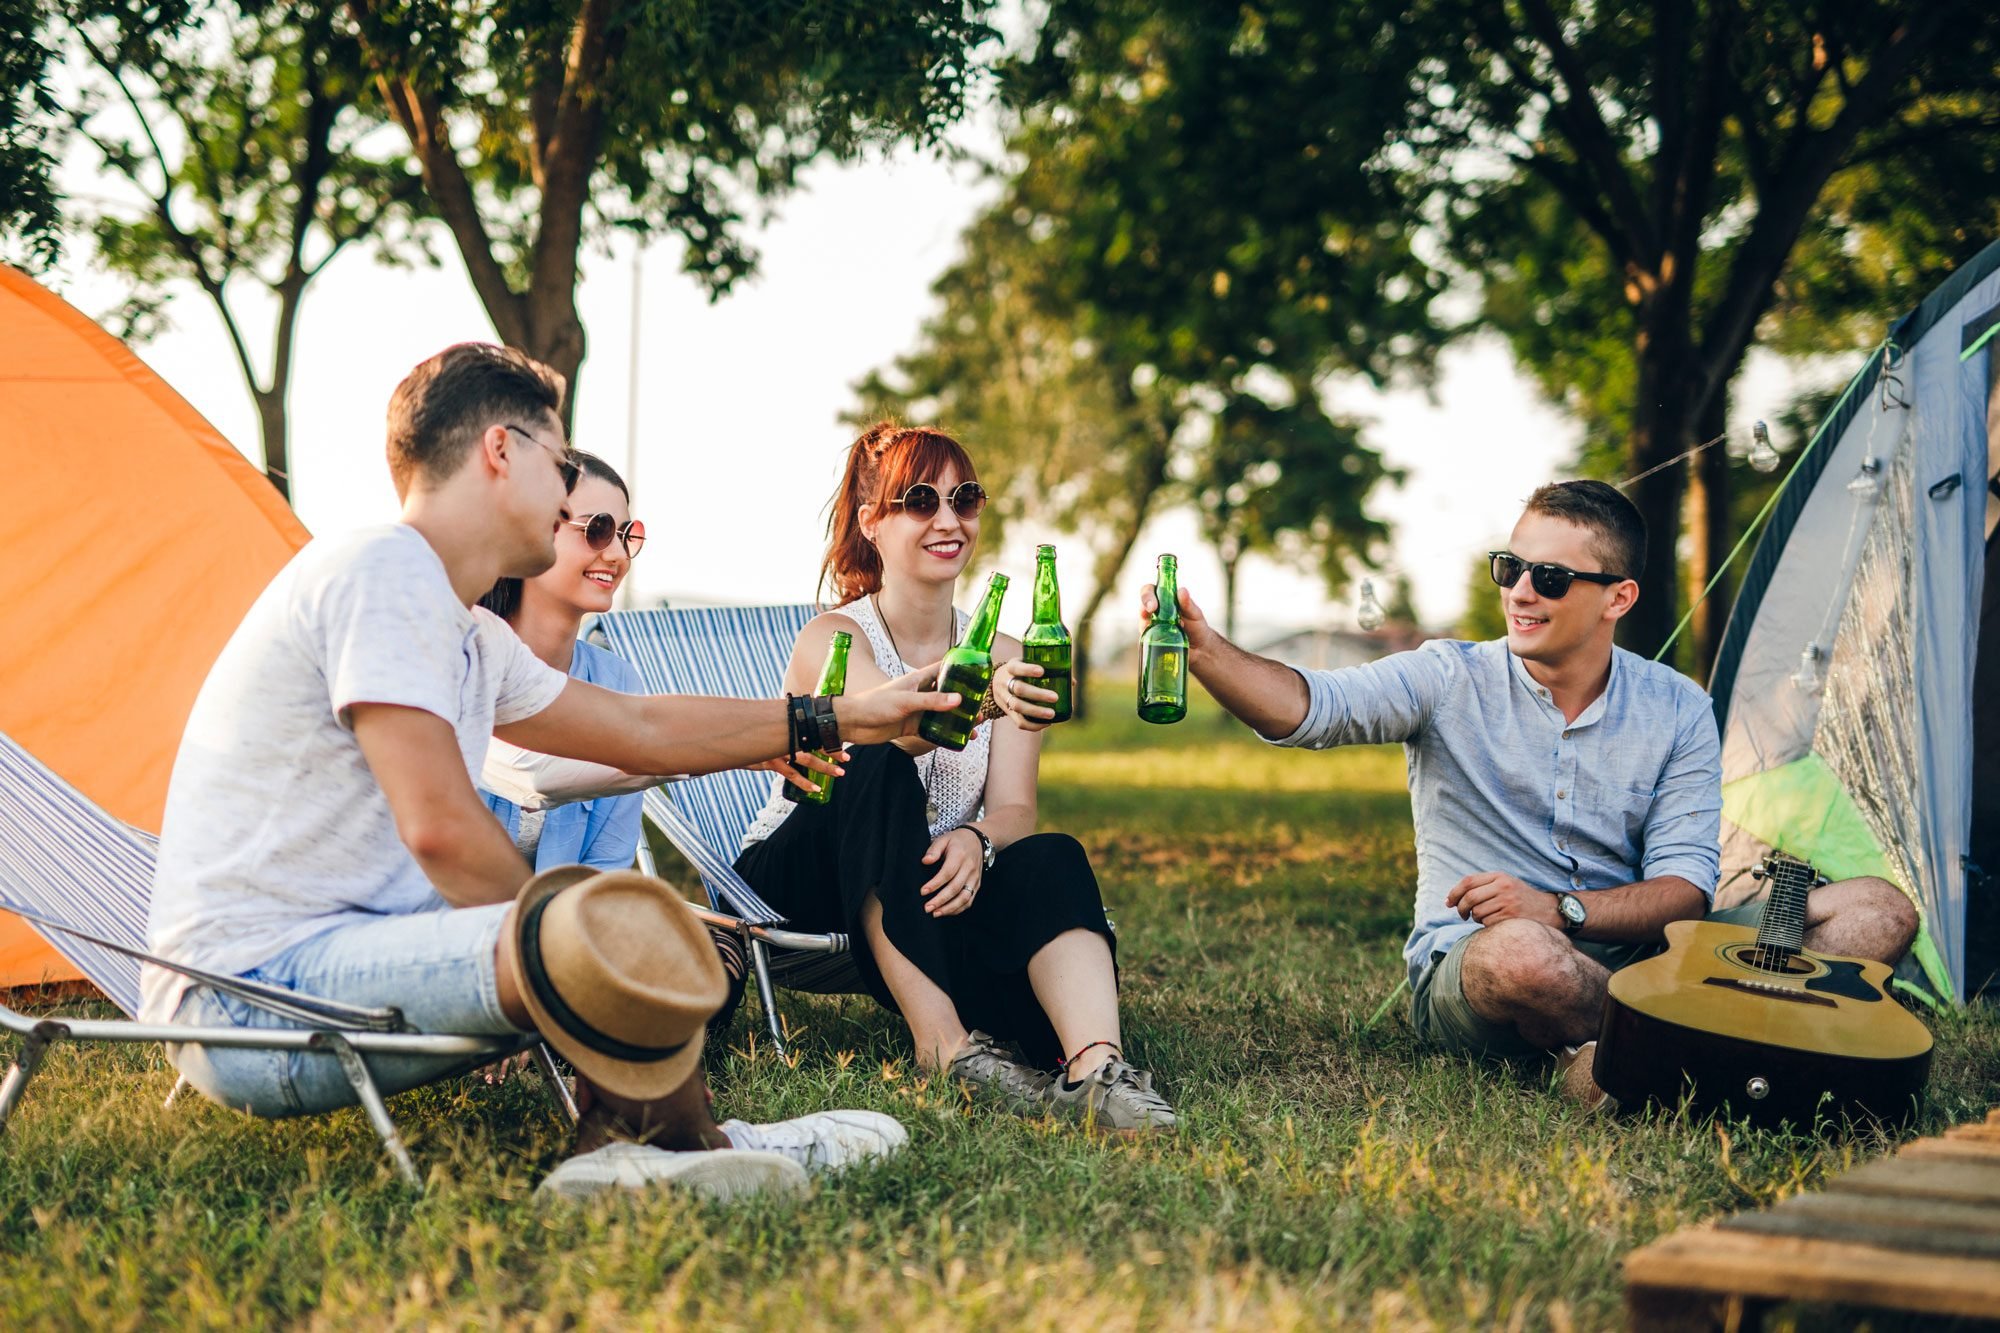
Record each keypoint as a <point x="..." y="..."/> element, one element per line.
<point x="1560" y="794"/>
<point x="1576" y="880"/>
<point x="1565" y="735"/>
<point x="1561" y="846"/>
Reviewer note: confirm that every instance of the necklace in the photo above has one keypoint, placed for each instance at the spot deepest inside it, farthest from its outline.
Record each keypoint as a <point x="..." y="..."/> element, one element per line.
<point x="930" y="803"/>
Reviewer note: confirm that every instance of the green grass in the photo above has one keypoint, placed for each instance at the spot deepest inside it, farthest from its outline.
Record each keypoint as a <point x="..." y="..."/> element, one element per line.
<point x="1328" y="1174"/>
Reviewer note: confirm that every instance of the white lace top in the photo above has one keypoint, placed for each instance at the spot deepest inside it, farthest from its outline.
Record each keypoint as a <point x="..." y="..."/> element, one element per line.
<point x="956" y="780"/>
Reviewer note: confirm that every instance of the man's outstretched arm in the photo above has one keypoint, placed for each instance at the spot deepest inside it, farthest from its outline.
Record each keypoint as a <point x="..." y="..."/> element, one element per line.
<point x="1268" y="696"/>
<point x="682" y="733"/>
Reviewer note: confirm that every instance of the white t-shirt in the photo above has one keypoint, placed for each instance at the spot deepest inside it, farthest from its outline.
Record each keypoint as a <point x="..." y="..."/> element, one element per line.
<point x="276" y="829"/>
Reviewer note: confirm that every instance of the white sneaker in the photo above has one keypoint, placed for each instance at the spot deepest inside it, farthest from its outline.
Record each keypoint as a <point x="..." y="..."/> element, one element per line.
<point x="826" y="1142"/>
<point x="721" y="1175"/>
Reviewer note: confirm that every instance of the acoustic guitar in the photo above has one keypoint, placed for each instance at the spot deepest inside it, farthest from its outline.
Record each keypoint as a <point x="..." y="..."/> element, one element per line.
<point x="1751" y="1020"/>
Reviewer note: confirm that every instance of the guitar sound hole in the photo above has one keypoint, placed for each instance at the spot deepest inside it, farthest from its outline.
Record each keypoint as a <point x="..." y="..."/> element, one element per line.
<point x="1778" y="962"/>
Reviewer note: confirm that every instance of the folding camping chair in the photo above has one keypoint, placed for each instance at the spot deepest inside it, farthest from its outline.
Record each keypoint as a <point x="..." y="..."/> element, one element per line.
<point x="737" y="652"/>
<point x="84" y="878"/>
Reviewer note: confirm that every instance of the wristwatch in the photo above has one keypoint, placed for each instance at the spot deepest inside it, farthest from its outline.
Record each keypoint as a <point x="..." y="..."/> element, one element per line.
<point x="1573" y="915"/>
<point x="987" y="850"/>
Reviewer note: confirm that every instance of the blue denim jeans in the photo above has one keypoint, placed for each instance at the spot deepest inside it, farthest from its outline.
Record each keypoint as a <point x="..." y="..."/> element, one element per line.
<point x="437" y="967"/>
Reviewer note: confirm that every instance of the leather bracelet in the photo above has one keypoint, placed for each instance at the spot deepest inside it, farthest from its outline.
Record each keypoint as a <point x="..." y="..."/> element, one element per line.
<point x="825" y="724"/>
<point x="799" y="719"/>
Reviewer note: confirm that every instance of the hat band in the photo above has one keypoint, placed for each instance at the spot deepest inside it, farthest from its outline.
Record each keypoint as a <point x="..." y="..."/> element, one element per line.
<point x="566" y="1018"/>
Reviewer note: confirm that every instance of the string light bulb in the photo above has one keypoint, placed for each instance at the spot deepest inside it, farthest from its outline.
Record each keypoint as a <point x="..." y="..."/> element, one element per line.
<point x="1762" y="456"/>
<point x="1867" y="478"/>
<point x="1368" y="612"/>
<point x="1807" y="677"/>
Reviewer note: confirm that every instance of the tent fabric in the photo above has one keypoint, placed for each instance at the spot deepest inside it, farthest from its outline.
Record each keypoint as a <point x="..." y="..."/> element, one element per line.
<point x="1851" y="652"/>
<point x="138" y="539"/>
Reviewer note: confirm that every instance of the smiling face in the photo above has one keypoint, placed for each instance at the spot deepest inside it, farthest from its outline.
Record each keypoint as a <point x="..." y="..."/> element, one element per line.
<point x="930" y="550"/>
<point x="1557" y="630"/>
<point x="580" y="579"/>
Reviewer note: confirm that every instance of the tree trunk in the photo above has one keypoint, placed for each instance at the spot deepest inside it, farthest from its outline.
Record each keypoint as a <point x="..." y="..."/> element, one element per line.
<point x="1659" y="424"/>
<point x="274" y="424"/>
<point x="556" y="339"/>
<point x="1708" y="524"/>
<point x="1230" y="562"/>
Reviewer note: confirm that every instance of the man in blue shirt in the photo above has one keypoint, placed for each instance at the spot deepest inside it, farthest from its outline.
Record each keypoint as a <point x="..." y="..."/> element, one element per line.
<point x="1567" y="793"/>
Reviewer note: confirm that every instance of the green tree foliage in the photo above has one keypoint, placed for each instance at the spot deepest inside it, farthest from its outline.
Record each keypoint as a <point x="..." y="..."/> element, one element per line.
<point x="541" y="126"/>
<point x="1641" y="193"/>
<point x="30" y="212"/>
<point x="242" y="132"/>
<point x="1193" y="236"/>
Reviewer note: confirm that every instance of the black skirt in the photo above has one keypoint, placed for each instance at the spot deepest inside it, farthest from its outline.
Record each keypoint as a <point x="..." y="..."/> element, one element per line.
<point x="823" y="862"/>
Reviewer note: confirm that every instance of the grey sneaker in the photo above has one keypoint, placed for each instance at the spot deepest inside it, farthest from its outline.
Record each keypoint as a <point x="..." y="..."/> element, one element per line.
<point x="991" y="1070"/>
<point x="1115" y="1098"/>
<point x="825" y="1142"/>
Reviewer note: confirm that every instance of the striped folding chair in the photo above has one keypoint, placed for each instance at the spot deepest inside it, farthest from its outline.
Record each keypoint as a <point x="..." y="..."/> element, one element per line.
<point x="84" y="880"/>
<point x="734" y="652"/>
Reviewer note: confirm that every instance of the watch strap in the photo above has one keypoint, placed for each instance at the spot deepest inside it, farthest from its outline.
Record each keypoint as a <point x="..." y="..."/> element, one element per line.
<point x="987" y="850"/>
<point x="825" y="725"/>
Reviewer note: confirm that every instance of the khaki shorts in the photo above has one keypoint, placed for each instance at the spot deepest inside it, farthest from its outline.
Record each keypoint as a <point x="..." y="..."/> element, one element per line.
<point x="1445" y="1018"/>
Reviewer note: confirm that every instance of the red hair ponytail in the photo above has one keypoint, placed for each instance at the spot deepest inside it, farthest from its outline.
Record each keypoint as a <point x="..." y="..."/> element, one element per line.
<point x="882" y="464"/>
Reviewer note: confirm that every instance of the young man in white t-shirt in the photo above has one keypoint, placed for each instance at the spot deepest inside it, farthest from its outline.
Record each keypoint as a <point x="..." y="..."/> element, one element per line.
<point x="322" y="828"/>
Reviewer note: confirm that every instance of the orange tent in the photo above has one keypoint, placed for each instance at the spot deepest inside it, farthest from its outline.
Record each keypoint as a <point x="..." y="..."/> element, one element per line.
<point x="133" y="539"/>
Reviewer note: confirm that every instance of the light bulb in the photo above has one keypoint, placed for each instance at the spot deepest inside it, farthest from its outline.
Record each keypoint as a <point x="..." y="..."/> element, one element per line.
<point x="1762" y="456"/>
<point x="1807" y="676"/>
<point x="1866" y="478"/>
<point x="1368" y="612"/>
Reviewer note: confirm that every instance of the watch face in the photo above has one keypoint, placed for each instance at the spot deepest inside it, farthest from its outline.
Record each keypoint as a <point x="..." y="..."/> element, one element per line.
<point x="1572" y="908"/>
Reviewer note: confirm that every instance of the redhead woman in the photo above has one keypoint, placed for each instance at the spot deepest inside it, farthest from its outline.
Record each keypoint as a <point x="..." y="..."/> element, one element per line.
<point x="987" y="937"/>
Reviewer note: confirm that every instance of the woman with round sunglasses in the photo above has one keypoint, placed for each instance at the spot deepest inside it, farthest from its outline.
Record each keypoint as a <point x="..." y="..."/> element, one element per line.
<point x="595" y="547"/>
<point x="989" y="938"/>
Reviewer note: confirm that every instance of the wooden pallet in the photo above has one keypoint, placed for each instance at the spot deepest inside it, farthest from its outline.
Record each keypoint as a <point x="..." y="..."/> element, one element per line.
<point x="1918" y="1233"/>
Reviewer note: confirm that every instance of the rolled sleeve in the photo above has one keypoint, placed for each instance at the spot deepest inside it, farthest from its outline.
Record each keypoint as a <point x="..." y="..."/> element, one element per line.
<point x="1683" y="834"/>
<point x="1377" y="703"/>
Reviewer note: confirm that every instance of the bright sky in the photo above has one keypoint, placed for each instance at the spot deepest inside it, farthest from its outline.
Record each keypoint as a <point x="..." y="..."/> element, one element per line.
<point x="738" y="437"/>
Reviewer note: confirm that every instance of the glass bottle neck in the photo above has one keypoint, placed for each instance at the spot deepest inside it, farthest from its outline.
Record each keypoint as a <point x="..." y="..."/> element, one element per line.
<point x="1166" y="587"/>
<point x="1048" y="600"/>
<point x="986" y="620"/>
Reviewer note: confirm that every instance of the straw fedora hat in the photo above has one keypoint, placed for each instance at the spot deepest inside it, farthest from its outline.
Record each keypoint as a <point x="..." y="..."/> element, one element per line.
<point x="619" y="974"/>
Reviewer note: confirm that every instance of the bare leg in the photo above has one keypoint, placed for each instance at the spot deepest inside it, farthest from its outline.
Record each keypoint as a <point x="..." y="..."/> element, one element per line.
<point x="1861" y="918"/>
<point x="1074" y="979"/>
<point x="935" y="1026"/>
<point x="1527" y="974"/>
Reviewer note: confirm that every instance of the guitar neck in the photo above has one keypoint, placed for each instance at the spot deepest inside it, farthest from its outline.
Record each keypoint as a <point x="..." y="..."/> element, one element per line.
<point x="1783" y="930"/>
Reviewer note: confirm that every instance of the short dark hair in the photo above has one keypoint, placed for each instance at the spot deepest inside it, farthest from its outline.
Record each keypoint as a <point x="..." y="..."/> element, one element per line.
<point x="1618" y="533"/>
<point x="503" y="599"/>
<point x="443" y="405"/>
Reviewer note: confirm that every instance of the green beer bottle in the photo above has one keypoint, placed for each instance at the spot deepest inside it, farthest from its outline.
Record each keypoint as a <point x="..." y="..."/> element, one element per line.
<point x="832" y="680"/>
<point x="1046" y="644"/>
<point x="968" y="670"/>
<point x="1163" y="653"/>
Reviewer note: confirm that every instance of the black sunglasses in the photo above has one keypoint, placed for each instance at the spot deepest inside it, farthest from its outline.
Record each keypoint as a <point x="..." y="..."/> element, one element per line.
<point x="1547" y="579"/>
<point x="599" y="529"/>
<point x="921" y="500"/>
<point x="570" y="468"/>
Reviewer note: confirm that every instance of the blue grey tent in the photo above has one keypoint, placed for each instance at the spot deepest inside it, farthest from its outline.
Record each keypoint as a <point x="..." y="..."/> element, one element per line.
<point x="1858" y="681"/>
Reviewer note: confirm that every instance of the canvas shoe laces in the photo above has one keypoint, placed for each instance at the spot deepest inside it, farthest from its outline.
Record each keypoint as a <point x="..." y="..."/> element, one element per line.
<point x="1115" y="1097"/>
<point x="989" y="1068"/>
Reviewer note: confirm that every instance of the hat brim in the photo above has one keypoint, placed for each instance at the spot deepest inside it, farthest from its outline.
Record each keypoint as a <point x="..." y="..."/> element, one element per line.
<point x="640" y="1081"/>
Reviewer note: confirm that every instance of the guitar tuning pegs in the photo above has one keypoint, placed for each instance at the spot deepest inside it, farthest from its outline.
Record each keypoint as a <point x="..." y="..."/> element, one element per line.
<point x="1819" y="881"/>
<point x="1758" y="872"/>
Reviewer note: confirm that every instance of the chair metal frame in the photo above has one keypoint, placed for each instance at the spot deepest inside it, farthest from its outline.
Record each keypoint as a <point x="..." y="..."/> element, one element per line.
<point x="737" y="652"/>
<point x="103" y="869"/>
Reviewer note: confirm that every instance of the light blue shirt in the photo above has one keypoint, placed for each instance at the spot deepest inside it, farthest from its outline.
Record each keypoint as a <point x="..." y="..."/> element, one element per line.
<point x="603" y="833"/>
<point x="1631" y="790"/>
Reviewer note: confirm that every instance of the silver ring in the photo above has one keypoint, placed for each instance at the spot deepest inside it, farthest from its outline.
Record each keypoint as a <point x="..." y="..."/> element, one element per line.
<point x="1013" y="687"/>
